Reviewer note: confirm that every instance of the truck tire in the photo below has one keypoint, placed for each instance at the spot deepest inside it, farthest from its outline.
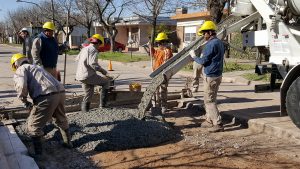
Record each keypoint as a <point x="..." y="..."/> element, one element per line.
<point x="293" y="102"/>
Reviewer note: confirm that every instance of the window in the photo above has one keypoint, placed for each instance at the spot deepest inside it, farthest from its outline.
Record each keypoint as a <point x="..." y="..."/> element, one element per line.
<point x="189" y="33"/>
<point x="189" y="37"/>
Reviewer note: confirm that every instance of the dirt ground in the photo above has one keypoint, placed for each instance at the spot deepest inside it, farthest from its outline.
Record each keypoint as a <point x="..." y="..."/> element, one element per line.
<point x="237" y="147"/>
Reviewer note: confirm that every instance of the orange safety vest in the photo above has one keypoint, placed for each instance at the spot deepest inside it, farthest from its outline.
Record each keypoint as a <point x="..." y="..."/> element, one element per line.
<point x="160" y="56"/>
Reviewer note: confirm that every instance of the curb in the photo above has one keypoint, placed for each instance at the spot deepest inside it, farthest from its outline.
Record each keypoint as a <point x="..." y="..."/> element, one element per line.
<point x="280" y="127"/>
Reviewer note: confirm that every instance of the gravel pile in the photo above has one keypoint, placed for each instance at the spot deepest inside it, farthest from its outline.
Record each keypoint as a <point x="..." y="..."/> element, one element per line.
<point x="110" y="129"/>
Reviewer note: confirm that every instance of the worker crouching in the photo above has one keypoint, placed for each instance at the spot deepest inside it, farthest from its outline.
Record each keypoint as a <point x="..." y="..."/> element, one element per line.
<point x="48" y="97"/>
<point x="87" y="73"/>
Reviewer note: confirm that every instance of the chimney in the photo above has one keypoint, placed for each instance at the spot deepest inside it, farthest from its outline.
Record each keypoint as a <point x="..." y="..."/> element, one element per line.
<point x="182" y="10"/>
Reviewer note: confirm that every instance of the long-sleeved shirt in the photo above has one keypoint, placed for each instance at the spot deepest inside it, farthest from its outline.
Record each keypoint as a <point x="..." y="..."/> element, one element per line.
<point x="35" y="81"/>
<point x="45" y="51"/>
<point x="161" y="55"/>
<point x="88" y="63"/>
<point x="212" y="58"/>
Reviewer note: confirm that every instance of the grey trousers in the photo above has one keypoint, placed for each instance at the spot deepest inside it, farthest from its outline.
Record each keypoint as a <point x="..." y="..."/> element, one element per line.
<point x="89" y="84"/>
<point x="211" y="87"/>
<point x="45" y="108"/>
<point x="197" y="74"/>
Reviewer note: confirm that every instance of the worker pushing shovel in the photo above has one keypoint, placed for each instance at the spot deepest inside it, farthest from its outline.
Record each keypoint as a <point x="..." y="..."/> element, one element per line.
<point x="48" y="96"/>
<point x="86" y="73"/>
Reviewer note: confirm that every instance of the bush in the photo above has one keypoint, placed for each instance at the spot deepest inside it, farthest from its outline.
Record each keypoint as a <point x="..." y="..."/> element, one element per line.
<point x="237" y="41"/>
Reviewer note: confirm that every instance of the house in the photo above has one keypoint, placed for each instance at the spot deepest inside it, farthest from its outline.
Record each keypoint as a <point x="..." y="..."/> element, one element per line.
<point x="136" y="28"/>
<point x="188" y="25"/>
<point x="76" y="38"/>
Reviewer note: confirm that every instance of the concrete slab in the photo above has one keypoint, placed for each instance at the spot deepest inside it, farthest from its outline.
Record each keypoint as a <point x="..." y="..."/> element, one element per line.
<point x="13" y="151"/>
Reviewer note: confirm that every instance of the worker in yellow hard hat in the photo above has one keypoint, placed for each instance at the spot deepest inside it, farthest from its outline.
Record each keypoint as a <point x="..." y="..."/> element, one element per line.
<point x="211" y="58"/>
<point x="86" y="73"/>
<point x="197" y="68"/>
<point x="48" y="100"/>
<point x="45" y="49"/>
<point x="160" y="55"/>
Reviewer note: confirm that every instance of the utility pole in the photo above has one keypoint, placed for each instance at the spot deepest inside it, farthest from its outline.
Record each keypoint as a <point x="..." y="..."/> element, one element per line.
<point x="52" y="8"/>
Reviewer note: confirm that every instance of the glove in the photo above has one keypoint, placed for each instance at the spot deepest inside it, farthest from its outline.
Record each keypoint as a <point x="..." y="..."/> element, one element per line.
<point x="28" y="105"/>
<point x="192" y="54"/>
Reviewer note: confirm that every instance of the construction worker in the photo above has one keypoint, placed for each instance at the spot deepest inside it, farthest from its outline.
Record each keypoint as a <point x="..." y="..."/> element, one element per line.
<point x="48" y="96"/>
<point x="212" y="59"/>
<point x="45" y="49"/>
<point x="27" y="43"/>
<point x="87" y="73"/>
<point x="197" y="71"/>
<point x="160" y="56"/>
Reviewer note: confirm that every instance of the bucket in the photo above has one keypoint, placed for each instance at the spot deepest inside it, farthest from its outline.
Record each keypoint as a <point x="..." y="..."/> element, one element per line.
<point x="135" y="87"/>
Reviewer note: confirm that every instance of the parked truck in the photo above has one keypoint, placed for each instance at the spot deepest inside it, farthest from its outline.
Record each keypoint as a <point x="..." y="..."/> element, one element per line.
<point x="276" y="32"/>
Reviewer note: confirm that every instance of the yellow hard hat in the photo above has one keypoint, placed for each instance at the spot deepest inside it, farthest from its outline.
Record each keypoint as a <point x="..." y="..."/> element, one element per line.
<point x="207" y="25"/>
<point x="15" y="58"/>
<point x="99" y="37"/>
<point x="161" y="36"/>
<point x="49" y="25"/>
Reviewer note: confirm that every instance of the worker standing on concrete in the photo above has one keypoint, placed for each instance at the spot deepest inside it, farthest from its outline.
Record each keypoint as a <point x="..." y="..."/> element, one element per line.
<point x="212" y="59"/>
<point x="87" y="73"/>
<point x="160" y="56"/>
<point x="27" y="44"/>
<point x="48" y="97"/>
<point x="45" y="49"/>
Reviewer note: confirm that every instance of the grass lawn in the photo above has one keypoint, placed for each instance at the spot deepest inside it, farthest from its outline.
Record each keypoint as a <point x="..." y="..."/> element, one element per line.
<point x="73" y="52"/>
<point x="228" y="67"/>
<point x="117" y="56"/>
<point x="255" y="77"/>
<point x="123" y="57"/>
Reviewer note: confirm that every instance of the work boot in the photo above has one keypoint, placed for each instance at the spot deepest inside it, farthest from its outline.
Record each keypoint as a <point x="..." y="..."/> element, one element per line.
<point x="206" y="124"/>
<point x="66" y="138"/>
<point x="85" y="107"/>
<point x="103" y="98"/>
<point x="216" y="128"/>
<point x="38" y="148"/>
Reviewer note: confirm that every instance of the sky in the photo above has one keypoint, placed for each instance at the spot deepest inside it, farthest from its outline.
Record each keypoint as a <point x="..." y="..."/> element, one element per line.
<point x="7" y="5"/>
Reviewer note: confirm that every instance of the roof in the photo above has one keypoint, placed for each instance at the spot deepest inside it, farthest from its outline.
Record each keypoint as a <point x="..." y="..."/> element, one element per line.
<point x="138" y="20"/>
<point x="204" y="15"/>
<point x="197" y="15"/>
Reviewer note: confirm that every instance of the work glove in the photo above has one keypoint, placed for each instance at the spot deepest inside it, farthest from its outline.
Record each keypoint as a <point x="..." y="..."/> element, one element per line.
<point x="192" y="54"/>
<point x="28" y="105"/>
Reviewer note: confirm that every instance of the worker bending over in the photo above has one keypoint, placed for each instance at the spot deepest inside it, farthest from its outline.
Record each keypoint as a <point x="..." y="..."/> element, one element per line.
<point x="87" y="73"/>
<point x="48" y="97"/>
<point x="160" y="56"/>
<point x="212" y="59"/>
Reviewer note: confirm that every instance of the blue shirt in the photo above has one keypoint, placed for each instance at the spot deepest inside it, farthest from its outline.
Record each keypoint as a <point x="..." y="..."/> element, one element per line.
<point x="212" y="58"/>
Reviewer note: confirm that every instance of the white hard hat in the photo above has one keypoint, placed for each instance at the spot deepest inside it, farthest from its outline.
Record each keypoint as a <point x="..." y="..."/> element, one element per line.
<point x="24" y="29"/>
